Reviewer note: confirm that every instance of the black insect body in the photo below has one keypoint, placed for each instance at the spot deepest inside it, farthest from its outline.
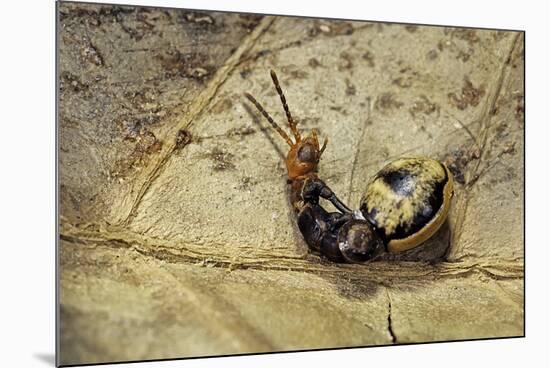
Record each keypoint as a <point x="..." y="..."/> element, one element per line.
<point x="403" y="205"/>
<point x="337" y="235"/>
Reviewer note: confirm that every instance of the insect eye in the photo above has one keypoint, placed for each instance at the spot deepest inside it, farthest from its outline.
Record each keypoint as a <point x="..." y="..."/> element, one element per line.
<point x="307" y="153"/>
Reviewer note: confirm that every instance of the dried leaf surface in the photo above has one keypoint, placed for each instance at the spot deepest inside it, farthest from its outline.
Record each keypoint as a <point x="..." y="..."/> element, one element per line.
<point x="177" y="239"/>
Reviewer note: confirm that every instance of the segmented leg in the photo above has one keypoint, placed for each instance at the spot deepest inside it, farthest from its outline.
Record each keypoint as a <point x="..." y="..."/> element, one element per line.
<point x="314" y="188"/>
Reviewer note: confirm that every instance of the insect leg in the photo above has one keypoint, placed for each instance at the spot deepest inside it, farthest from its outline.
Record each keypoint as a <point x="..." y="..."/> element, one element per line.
<point x="315" y="188"/>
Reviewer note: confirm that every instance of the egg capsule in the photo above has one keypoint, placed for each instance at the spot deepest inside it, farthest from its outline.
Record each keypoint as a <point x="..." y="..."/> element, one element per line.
<point x="408" y="201"/>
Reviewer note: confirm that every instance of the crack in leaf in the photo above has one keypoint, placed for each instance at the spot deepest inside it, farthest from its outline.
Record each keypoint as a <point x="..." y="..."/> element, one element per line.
<point x="390" y="323"/>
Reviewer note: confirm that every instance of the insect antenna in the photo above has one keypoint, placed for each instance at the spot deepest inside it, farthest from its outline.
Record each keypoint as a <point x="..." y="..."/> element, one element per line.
<point x="270" y="119"/>
<point x="291" y="123"/>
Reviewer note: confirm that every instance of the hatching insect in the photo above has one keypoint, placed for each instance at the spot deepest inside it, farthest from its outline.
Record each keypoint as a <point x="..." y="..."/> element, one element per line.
<point x="404" y="204"/>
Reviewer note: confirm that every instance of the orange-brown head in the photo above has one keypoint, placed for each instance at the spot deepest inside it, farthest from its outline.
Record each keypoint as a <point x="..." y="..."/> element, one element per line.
<point x="304" y="154"/>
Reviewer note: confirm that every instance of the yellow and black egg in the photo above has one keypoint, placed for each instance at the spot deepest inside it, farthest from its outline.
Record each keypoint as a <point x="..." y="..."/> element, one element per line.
<point x="408" y="201"/>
